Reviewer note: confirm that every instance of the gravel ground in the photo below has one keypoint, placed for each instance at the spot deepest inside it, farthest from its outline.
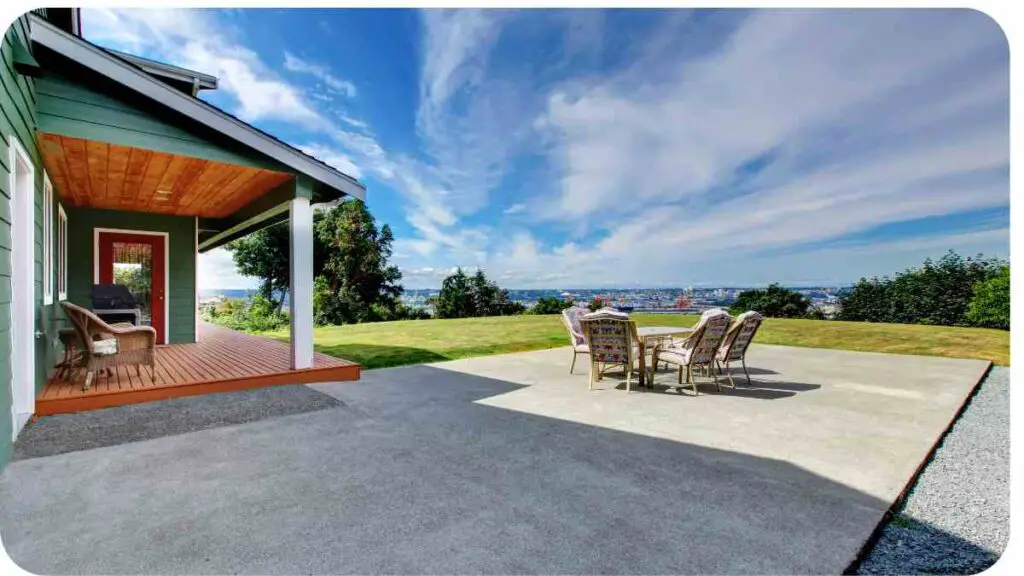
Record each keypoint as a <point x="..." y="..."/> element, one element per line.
<point x="957" y="518"/>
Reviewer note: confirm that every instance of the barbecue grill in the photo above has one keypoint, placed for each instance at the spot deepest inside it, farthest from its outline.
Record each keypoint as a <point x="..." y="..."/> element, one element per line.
<point x="115" y="303"/>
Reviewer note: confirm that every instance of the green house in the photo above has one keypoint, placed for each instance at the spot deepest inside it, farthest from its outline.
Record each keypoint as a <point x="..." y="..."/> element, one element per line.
<point x="113" y="171"/>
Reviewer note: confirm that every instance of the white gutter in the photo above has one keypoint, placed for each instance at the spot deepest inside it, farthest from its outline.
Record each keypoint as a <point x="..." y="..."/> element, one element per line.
<point x="136" y="79"/>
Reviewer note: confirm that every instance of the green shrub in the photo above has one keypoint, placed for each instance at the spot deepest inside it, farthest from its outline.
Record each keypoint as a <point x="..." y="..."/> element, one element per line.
<point x="773" y="302"/>
<point x="256" y="315"/>
<point x="937" y="293"/>
<point x="990" y="306"/>
<point x="549" y="306"/>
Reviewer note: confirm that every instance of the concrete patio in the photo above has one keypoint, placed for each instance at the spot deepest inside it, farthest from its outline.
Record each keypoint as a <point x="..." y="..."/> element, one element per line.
<point x="497" y="465"/>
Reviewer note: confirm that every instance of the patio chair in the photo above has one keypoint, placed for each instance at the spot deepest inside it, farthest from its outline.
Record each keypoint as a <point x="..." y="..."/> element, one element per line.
<point x="696" y="351"/>
<point x="737" y="340"/>
<point x="612" y="339"/>
<point x="571" y="318"/>
<point x="105" y="346"/>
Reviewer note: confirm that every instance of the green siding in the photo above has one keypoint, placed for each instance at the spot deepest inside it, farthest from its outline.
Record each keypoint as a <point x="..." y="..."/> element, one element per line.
<point x="181" y="264"/>
<point x="18" y="119"/>
<point x="85" y="109"/>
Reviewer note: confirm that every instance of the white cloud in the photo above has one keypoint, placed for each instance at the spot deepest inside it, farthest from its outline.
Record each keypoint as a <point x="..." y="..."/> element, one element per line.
<point x="337" y="85"/>
<point x="334" y="158"/>
<point x="801" y="127"/>
<point x="217" y="272"/>
<point x="192" y="39"/>
<point x="698" y="155"/>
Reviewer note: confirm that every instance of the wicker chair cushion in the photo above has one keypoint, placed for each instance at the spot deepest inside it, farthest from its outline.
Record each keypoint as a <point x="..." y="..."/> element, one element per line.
<point x="677" y="356"/>
<point x="700" y="348"/>
<point x="607" y="312"/>
<point x="740" y="334"/>
<point x="572" y="316"/>
<point x="104" y="347"/>
<point x="610" y="340"/>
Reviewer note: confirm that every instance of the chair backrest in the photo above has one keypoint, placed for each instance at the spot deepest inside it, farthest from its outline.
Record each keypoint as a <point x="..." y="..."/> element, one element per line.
<point x="610" y="338"/>
<point x="741" y="333"/>
<point x="707" y="336"/>
<point x="86" y="323"/>
<point x="571" y="318"/>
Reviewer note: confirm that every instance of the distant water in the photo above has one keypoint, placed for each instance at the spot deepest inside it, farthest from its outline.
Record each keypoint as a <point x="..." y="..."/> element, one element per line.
<point x="227" y="293"/>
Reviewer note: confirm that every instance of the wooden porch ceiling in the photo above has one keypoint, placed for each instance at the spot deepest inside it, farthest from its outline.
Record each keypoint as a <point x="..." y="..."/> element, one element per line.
<point x="96" y="174"/>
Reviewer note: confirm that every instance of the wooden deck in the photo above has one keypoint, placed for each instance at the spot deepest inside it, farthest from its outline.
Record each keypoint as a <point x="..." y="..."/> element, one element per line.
<point x="222" y="361"/>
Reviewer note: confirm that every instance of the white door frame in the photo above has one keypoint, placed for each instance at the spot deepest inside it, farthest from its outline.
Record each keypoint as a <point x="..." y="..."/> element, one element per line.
<point x="22" y="180"/>
<point x="167" y="266"/>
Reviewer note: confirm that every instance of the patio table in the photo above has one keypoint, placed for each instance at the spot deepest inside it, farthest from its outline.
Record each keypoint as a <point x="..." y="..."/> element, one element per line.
<point x="654" y="336"/>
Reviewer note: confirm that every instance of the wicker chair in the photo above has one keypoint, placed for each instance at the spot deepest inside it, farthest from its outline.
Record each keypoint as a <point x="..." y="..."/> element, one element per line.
<point x="698" y="350"/>
<point x="105" y="346"/>
<point x="571" y="318"/>
<point x="612" y="339"/>
<point x="737" y="340"/>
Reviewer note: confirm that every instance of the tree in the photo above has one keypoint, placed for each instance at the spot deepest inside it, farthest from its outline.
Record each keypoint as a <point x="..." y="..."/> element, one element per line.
<point x="546" y="305"/>
<point x="353" y="281"/>
<point x="358" y="284"/>
<point x="773" y="302"/>
<point x="464" y="296"/>
<point x="265" y="254"/>
<point x="990" y="307"/>
<point x="938" y="292"/>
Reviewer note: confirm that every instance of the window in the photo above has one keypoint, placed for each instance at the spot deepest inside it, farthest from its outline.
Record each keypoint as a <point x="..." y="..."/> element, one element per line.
<point x="47" y="241"/>
<point x="62" y="253"/>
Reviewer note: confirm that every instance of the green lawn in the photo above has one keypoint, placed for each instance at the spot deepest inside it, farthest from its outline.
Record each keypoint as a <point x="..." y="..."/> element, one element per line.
<point x="384" y="344"/>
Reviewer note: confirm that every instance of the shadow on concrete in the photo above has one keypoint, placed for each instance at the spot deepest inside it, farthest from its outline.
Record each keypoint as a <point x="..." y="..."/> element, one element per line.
<point x="410" y="474"/>
<point x="50" y="435"/>
<point x="665" y="382"/>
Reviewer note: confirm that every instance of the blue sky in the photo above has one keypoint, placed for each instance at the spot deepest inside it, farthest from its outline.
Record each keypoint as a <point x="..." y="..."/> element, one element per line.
<point x="592" y="148"/>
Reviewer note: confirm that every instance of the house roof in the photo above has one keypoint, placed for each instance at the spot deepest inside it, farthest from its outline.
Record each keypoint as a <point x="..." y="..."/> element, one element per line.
<point x="192" y="79"/>
<point x="138" y="80"/>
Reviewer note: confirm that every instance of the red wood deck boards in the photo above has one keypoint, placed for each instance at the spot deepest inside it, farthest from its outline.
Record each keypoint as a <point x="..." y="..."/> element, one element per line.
<point x="222" y="361"/>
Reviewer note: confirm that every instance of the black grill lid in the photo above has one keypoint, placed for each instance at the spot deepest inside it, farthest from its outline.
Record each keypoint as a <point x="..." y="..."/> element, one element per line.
<point x="111" y="297"/>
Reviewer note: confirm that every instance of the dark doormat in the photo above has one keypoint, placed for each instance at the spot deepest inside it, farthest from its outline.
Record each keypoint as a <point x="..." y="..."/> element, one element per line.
<point x="62" y="433"/>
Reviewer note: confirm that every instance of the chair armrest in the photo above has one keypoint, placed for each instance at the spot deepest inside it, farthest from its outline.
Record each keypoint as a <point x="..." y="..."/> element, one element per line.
<point x="145" y="335"/>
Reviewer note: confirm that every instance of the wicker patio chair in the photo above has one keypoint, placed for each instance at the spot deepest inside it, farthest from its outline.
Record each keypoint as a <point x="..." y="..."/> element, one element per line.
<point x="106" y="346"/>
<point x="698" y="350"/>
<point x="737" y="340"/>
<point x="571" y="318"/>
<point x="612" y="339"/>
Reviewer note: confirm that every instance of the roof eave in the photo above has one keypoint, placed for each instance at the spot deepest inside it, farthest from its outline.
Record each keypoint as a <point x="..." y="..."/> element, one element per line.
<point x="205" y="81"/>
<point x="138" y="80"/>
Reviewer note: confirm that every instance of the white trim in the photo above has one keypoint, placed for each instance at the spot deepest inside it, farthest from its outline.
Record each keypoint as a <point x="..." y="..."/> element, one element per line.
<point x="62" y="260"/>
<point x="47" y="240"/>
<point x="167" y="266"/>
<point x="136" y="79"/>
<point x="22" y="186"/>
<point x="195" y="288"/>
<point x="279" y="209"/>
<point x="300" y="293"/>
<point x="203" y="81"/>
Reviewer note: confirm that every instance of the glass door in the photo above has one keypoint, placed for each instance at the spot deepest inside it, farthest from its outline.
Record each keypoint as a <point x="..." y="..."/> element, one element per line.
<point x="137" y="261"/>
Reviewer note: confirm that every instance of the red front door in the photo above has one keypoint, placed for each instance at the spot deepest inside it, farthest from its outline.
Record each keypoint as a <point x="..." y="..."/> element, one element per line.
<point x="138" y="261"/>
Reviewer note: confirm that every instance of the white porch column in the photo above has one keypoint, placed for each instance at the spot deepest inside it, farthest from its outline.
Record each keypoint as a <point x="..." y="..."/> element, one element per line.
<point x="300" y="296"/>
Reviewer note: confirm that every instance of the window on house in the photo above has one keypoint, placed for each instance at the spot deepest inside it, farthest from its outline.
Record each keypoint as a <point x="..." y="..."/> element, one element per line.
<point x="47" y="241"/>
<point x="62" y="253"/>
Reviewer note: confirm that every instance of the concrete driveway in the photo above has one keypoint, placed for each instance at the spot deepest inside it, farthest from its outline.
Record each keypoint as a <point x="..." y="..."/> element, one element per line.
<point x="503" y="464"/>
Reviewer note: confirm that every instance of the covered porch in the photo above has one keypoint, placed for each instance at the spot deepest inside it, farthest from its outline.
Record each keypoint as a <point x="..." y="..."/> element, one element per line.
<point x="223" y="360"/>
<point x="144" y="177"/>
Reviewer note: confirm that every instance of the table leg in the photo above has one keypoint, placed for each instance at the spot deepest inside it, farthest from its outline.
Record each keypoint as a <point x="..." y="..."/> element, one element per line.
<point x="643" y="363"/>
